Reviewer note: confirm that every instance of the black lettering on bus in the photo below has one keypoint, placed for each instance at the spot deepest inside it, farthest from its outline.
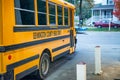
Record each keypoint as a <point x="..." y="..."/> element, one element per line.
<point x="45" y="34"/>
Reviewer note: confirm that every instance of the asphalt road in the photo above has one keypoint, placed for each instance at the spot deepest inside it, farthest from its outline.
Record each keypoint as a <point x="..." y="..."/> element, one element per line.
<point x="110" y="50"/>
<point x="65" y="67"/>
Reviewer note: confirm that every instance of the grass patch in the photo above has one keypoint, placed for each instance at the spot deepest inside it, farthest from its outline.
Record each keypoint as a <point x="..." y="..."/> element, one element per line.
<point x="104" y="29"/>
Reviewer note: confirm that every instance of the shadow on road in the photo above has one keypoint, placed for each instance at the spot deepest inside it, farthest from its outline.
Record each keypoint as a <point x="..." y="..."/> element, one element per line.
<point x="53" y="67"/>
<point x="82" y="33"/>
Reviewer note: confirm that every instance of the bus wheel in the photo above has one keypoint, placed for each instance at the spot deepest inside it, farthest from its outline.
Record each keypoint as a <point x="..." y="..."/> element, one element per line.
<point x="44" y="65"/>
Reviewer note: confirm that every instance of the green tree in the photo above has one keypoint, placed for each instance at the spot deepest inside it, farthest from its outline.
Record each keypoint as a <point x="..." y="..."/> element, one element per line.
<point x="71" y="1"/>
<point x="116" y="12"/>
<point x="86" y="6"/>
<point x="83" y="9"/>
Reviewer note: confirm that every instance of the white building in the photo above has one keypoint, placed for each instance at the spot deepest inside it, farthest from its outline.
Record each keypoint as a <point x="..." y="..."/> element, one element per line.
<point x="107" y="2"/>
<point x="103" y="11"/>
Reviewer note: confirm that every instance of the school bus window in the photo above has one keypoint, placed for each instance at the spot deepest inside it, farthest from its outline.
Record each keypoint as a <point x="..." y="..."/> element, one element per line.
<point x="66" y="16"/>
<point x="60" y="16"/>
<point x="52" y="14"/>
<point x="25" y="4"/>
<point x="41" y="12"/>
<point x="24" y="12"/>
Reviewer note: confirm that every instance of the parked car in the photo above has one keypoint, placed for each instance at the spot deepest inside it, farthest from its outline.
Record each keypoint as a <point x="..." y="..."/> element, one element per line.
<point x="78" y="29"/>
<point x="101" y="24"/>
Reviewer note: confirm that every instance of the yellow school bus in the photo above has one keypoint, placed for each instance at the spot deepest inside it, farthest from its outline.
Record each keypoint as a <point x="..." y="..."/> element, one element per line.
<point x="34" y="33"/>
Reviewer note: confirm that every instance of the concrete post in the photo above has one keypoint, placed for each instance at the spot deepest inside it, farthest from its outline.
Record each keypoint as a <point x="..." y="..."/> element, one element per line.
<point x="98" y="70"/>
<point x="81" y="71"/>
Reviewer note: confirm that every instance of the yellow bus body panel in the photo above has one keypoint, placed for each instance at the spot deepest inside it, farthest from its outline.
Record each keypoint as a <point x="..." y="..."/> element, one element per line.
<point x="1" y="21"/>
<point x="7" y="21"/>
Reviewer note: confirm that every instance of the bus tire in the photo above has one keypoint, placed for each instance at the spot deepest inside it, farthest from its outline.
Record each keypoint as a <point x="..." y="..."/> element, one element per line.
<point x="44" y="65"/>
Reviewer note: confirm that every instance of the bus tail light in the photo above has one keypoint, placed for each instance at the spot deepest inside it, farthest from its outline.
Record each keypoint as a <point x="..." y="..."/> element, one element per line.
<point x="9" y="57"/>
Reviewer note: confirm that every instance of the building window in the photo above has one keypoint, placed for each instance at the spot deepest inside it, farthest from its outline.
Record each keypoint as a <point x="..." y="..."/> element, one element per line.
<point x="24" y="12"/>
<point x="96" y="13"/>
<point x="60" y="15"/>
<point x="111" y="2"/>
<point x="42" y="12"/>
<point x="52" y="14"/>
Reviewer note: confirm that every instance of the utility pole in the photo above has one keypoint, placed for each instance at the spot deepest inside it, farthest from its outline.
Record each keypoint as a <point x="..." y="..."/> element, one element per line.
<point x="80" y="14"/>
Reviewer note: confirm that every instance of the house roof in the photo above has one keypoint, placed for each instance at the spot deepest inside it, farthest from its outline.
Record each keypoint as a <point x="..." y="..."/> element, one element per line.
<point x="98" y="7"/>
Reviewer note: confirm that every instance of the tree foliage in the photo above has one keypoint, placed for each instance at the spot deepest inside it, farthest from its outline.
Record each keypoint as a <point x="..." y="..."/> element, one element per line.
<point x="117" y="9"/>
<point x="86" y="7"/>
